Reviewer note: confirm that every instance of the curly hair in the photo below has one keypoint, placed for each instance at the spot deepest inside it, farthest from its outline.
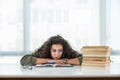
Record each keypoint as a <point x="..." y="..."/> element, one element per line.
<point x="44" y="50"/>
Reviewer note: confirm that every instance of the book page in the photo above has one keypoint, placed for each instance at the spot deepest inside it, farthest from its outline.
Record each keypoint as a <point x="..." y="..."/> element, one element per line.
<point x="54" y="65"/>
<point x="63" y="65"/>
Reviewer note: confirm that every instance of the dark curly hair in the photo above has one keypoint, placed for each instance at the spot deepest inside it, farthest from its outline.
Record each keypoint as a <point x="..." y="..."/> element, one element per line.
<point x="44" y="50"/>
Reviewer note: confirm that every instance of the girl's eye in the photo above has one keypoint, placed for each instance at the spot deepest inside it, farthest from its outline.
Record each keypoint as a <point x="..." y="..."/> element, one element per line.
<point x="54" y="50"/>
<point x="60" y="50"/>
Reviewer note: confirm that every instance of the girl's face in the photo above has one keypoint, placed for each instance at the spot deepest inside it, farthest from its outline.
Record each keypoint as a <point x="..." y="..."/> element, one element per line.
<point x="56" y="51"/>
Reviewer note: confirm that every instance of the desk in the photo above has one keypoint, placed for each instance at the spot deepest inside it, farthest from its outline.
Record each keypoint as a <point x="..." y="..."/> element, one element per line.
<point x="16" y="71"/>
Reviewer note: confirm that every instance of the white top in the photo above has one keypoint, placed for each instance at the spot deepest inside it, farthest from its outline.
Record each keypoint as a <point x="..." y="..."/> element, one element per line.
<point x="16" y="70"/>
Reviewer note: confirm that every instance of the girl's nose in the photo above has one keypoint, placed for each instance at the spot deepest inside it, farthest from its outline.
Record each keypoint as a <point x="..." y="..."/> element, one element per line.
<point x="56" y="53"/>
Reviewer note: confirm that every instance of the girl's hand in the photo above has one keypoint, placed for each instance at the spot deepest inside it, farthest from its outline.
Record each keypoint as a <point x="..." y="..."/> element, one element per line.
<point x="61" y="61"/>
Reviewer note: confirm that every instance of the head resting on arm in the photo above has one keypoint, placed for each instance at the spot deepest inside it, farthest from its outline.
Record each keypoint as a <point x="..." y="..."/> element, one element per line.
<point x="45" y="49"/>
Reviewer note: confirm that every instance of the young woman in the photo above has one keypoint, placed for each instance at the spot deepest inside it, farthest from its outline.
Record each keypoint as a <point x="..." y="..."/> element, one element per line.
<point x="56" y="49"/>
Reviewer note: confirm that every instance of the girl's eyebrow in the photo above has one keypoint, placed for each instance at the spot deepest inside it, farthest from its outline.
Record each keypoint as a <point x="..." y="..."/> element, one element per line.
<point x="53" y="48"/>
<point x="58" y="49"/>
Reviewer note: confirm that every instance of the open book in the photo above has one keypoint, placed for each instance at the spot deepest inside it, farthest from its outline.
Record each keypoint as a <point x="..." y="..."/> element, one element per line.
<point x="54" y="65"/>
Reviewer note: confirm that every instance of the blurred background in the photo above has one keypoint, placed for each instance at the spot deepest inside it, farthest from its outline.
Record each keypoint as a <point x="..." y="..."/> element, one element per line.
<point x="26" y="24"/>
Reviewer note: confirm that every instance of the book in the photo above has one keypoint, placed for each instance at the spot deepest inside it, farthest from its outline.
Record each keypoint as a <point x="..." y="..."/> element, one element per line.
<point x="95" y="46"/>
<point x="96" y="52"/>
<point x="95" y="65"/>
<point x="95" y="49"/>
<point x="96" y="58"/>
<point x="96" y="55"/>
<point x="54" y="65"/>
<point x="97" y="62"/>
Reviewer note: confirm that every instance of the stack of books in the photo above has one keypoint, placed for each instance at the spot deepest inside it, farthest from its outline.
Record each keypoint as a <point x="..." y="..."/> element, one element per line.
<point x="96" y="55"/>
